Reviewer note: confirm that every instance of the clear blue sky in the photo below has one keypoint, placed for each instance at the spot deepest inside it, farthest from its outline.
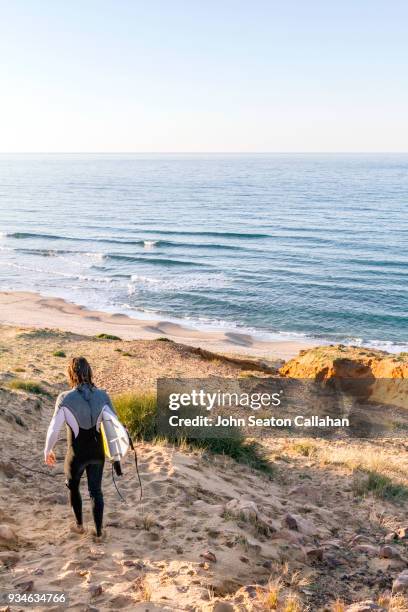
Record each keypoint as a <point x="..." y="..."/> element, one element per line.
<point x="203" y="75"/>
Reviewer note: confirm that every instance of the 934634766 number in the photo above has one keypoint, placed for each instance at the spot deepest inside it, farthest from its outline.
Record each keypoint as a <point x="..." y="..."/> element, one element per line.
<point x="42" y="598"/>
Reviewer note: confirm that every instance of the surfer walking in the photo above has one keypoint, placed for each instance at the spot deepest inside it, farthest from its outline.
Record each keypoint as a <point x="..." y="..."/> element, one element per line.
<point x="83" y="409"/>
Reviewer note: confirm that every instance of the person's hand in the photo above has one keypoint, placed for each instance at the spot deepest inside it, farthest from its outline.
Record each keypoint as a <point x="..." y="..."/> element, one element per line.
<point x="50" y="459"/>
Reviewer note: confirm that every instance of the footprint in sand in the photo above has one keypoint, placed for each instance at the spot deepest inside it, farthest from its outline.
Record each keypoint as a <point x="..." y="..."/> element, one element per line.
<point x="148" y="477"/>
<point x="158" y="488"/>
<point x="163" y="471"/>
<point x="158" y="460"/>
<point x="114" y="515"/>
<point x="121" y="601"/>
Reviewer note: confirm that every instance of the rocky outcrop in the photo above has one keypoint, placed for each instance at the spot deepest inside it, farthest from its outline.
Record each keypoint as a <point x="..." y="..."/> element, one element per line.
<point x="326" y="362"/>
<point x="363" y="373"/>
<point x="8" y="537"/>
<point x="223" y="606"/>
<point x="245" y="509"/>
<point x="400" y="584"/>
<point x="365" y="606"/>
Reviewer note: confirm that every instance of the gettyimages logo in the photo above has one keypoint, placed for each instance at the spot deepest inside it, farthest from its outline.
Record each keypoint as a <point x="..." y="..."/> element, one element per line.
<point x="208" y="401"/>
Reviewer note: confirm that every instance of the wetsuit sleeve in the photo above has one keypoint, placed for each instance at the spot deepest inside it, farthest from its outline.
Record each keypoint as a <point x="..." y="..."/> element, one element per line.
<point x="54" y="427"/>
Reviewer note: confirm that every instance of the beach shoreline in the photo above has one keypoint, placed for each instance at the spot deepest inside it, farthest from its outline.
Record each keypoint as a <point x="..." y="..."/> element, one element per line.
<point x="29" y="309"/>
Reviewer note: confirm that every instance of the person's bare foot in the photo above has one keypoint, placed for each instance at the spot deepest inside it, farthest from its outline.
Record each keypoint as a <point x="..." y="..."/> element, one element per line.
<point x="98" y="539"/>
<point x="80" y="529"/>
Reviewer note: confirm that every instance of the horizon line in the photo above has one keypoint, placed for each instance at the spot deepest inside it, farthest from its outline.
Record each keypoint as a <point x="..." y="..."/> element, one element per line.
<point x="203" y="152"/>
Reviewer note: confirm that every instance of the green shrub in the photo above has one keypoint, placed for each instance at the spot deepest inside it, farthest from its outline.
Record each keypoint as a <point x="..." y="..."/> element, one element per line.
<point x="107" y="337"/>
<point x="42" y="333"/>
<point x="163" y="339"/>
<point x="27" y="385"/>
<point x="138" y="411"/>
<point x="240" y="449"/>
<point x="59" y="354"/>
<point x="380" y="485"/>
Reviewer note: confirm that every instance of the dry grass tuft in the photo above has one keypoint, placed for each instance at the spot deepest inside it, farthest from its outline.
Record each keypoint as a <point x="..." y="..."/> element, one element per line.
<point x="269" y="597"/>
<point x="143" y="589"/>
<point x="306" y="448"/>
<point x="148" y="522"/>
<point x="292" y="604"/>
<point x="394" y="603"/>
<point x="279" y="593"/>
<point x="372" y="460"/>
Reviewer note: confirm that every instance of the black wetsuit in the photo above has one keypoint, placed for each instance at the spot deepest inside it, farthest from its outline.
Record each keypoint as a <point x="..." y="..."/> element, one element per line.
<point x="81" y="409"/>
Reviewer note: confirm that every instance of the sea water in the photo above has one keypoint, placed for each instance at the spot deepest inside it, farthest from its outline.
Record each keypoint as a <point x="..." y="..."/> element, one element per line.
<point x="279" y="246"/>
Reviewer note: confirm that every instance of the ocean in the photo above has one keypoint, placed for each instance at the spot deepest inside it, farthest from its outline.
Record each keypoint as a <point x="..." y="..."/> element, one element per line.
<point x="282" y="246"/>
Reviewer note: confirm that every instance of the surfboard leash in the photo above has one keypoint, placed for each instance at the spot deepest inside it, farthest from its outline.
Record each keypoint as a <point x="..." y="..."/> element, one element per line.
<point x="29" y="469"/>
<point x="137" y="467"/>
<point x="137" y="472"/>
<point x="116" y="486"/>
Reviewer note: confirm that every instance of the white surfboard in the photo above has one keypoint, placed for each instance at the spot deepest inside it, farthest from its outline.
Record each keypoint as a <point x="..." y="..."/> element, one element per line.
<point x="115" y="437"/>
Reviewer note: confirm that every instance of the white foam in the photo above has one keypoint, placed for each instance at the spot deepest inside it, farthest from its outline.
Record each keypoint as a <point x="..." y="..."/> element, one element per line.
<point x="95" y="279"/>
<point x="382" y="345"/>
<point x="139" y="278"/>
<point x="149" y="244"/>
<point x="179" y="282"/>
<point x="96" y="256"/>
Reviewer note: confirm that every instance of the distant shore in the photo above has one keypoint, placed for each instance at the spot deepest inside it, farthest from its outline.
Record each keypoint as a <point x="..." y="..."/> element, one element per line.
<point x="29" y="309"/>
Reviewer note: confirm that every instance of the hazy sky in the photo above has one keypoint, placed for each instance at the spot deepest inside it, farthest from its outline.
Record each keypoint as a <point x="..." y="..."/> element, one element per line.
<point x="203" y="75"/>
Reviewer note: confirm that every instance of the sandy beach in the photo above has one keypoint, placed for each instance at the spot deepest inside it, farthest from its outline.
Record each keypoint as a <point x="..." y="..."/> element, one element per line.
<point x="33" y="310"/>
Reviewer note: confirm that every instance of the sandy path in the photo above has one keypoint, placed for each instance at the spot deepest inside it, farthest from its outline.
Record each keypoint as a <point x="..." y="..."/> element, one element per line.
<point x="152" y="550"/>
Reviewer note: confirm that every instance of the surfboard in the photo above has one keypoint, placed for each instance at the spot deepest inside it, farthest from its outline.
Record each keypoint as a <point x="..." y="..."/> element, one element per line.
<point x="114" y="436"/>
